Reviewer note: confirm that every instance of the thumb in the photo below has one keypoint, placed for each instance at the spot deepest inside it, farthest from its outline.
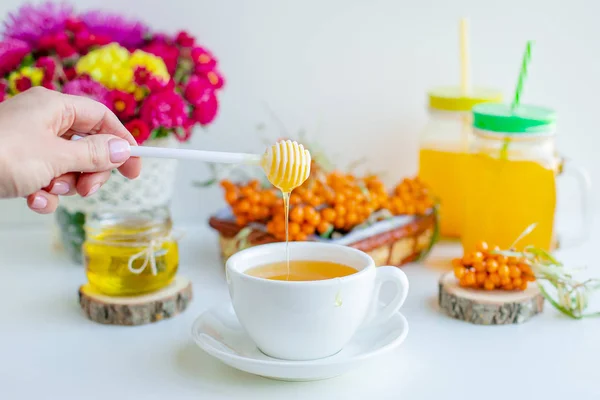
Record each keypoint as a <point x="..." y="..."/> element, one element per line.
<point x="95" y="153"/>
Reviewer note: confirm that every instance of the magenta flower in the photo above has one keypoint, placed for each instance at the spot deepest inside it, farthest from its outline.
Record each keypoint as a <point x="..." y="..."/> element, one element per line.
<point x="30" y="22"/>
<point x="88" y="88"/>
<point x="196" y="89"/>
<point x="3" y="87"/>
<point x="206" y="109"/>
<point x="184" y="39"/>
<point x="127" y="33"/>
<point x="12" y="52"/>
<point x="49" y="66"/>
<point x="166" y="109"/>
<point x="123" y="104"/>
<point x="203" y="59"/>
<point x="139" y="130"/>
<point x="167" y="52"/>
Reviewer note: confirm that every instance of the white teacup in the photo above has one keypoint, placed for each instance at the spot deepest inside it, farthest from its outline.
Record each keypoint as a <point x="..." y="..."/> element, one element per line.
<point x="308" y="320"/>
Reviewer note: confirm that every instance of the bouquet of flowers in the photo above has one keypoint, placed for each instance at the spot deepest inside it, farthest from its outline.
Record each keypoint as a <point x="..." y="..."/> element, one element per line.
<point x="157" y="84"/>
<point x="160" y="86"/>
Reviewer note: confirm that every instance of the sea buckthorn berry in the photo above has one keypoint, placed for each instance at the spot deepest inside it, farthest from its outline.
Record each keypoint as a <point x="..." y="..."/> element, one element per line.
<point x="323" y="227"/>
<point x="470" y="278"/>
<point x="489" y="285"/>
<point x="480" y="277"/>
<point x="477" y="256"/>
<point x="495" y="278"/>
<point x="482" y="247"/>
<point x="297" y="214"/>
<point x="479" y="266"/>
<point x="517" y="282"/>
<point x="508" y="287"/>
<point x="505" y="281"/>
<point x="457" y="262"/>
<point x="294" y="228"/>
<point x="328" y="214"/>
<point x="515" y="272"/>
<point x="231" y="197"/>
<point x="491" y="265"/>
<point x="523" y="285"/>
<point x="459" y="271"/>
<point x="503" y="271"/>
<point x="308" y="229"/>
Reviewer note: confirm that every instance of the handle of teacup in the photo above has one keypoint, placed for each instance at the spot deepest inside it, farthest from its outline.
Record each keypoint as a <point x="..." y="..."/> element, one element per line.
<point x="583" y="180"/>
<point x="377" y="314"/>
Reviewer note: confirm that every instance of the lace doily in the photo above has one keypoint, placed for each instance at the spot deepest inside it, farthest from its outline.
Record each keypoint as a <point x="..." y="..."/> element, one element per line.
<point x="154" y="187"/>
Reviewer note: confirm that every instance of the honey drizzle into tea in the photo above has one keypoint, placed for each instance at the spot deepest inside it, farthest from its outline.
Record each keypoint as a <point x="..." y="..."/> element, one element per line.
<point x="287" y="166"/>
<point x="286" y="206"/>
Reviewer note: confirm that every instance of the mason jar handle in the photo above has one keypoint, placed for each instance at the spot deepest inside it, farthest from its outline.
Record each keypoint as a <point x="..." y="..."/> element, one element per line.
<point x="582" y="177"/>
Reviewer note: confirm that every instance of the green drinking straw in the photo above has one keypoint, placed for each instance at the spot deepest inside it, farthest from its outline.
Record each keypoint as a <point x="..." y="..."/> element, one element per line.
<point x="518" y="90"/>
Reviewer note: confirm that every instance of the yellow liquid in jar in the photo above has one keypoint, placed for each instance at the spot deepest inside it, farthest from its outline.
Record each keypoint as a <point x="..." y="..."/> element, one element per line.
<point x="107" y="267"/>
<point x="444" y="172"/>
<point x="504" y="197"/>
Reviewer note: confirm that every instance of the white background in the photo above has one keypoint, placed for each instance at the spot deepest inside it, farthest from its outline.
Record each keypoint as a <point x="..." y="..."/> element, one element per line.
<point x="354" y="74"/>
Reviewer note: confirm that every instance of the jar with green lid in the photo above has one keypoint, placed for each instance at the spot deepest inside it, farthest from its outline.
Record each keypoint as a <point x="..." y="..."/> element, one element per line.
<point x="130" y="253"/>
<point x="512" y="178"/>
<point x="443" y="149"/>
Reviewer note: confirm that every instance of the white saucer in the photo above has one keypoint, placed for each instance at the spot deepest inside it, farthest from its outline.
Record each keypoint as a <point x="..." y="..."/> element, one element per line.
<point x="219" y="333"/>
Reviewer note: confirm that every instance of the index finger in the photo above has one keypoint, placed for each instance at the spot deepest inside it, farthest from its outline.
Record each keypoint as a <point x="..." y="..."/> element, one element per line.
<point x="86" y="116"/>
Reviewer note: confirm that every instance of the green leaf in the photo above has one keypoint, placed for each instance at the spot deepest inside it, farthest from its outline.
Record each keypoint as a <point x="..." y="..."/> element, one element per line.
<point x="205" y="184"/>
<point x="327" y="234"/>
<point x="555" y="304"/>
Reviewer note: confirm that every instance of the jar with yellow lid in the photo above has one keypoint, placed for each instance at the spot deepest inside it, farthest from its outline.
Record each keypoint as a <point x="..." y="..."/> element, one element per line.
<point x="444" y="147"/>
<point x="129" y="253"/>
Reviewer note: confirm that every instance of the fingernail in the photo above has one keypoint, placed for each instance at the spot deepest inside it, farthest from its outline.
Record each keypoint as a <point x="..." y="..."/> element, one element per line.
<point x="39" y="202"/>
<point x="60" y="187"/>
<point x="93" y="190"/>
<point x="119" y="150"/>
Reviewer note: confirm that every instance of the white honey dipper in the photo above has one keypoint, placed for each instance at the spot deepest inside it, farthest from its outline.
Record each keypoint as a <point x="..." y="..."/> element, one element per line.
<point x="286" y="163"/>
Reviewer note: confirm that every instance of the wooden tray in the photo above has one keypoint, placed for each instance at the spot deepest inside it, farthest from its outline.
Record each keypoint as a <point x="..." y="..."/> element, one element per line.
<point x="396" y="241"/>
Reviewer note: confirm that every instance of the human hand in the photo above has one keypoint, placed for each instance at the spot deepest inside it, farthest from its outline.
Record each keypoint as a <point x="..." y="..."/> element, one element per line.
<point x="40" y="162"/>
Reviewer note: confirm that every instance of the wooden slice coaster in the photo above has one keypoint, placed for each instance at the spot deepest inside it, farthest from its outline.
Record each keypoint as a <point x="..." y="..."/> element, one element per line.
<point x="136" y="310"/>
<point x="482" y="307"/>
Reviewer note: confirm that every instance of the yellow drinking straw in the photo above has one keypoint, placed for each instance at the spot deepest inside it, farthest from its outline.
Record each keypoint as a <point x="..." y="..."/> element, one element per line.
<point x="465" y="81"/>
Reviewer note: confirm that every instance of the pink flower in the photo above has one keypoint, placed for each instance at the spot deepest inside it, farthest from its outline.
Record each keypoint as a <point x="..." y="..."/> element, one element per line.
<point x="86" y="87"/>
<point x="70" y="73"/>
<point x="12" y="52"/>
<point x="65" y="50"/>
<point x="155" y="84"/>
<point x="74" y="24"/>
<point x="84" y="40"/>
<point x="184" y="133"/>
<point x="23" y="83"/>
<point x="48" y="65"/>
<point x="203" y="59"/>
<point x="196" y="88"/>
<point x="184" y="39"/>
<point x="141" y="75"/>
<point x="123" y="104"/>
<point x="139" y="130"/>
<point x="215" y="79"/>
<point x="30" y="22"/>
<point x="3" y="87"/>
<point x="53" y="40"/>
<point x="166" y="109"/>
<point x="128" y="33"/>
<point x="205" y="111"/>
<point x="49" y="85"/>
<point x="168" y="53"/>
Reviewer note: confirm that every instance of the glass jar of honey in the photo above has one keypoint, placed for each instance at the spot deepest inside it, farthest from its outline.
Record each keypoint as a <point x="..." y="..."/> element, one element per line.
<point x="512" y="178"/>
<point x="444" y="147"/>
<point x="130" y="253"/>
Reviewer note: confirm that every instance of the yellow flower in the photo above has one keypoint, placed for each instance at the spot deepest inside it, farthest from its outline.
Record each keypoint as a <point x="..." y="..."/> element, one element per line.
<point x="35" y="75"/>
<point x="114" y="66"/>
<point x="153" y="64"/>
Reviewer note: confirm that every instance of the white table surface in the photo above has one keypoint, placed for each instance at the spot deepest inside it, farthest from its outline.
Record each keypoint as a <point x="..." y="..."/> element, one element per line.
<point x="49" y="350"/>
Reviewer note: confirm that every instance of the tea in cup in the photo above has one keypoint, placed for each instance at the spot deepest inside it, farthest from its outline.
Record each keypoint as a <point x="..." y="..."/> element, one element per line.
<point x="312" y="310"/>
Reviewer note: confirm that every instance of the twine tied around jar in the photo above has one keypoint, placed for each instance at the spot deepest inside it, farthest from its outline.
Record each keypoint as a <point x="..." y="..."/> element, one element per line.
<point x="148" y="253"/>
